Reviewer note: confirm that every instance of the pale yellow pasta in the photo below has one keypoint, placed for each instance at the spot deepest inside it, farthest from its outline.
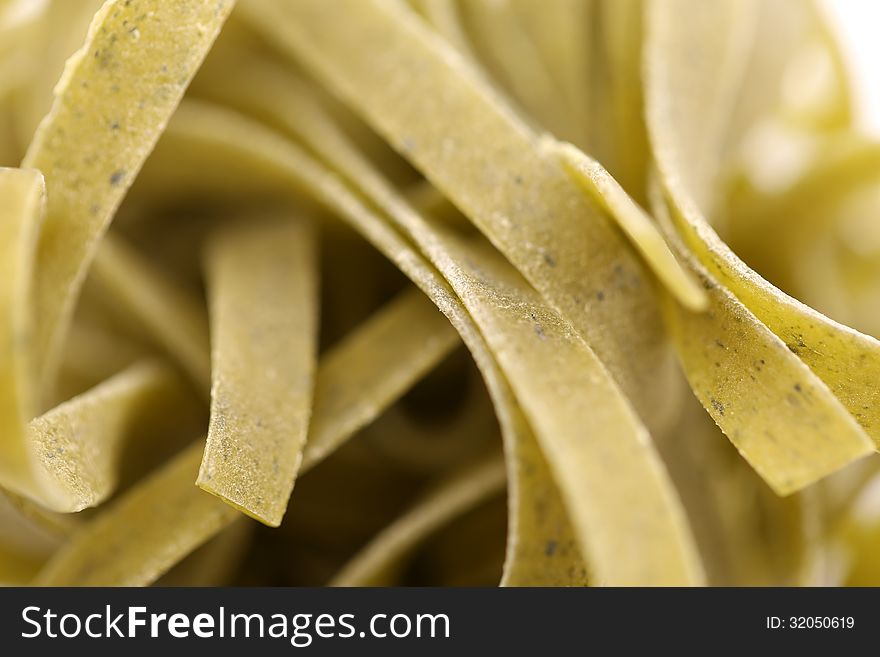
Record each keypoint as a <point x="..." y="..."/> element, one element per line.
<point x="114" y="98"/>
<point x="263" y="362"/>
<point x="457" y="292"/>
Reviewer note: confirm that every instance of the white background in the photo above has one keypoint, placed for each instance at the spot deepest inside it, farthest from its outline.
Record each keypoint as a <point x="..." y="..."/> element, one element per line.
<point x="857" y="24"/>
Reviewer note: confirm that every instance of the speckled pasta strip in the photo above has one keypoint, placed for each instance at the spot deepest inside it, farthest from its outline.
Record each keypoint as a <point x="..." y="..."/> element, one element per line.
<point x="537" y="514"/>
<point x="22" y="198"/>
<point x="79" y="443"/>
<point x="374" y="565"/>
<point x="264" y="316"/>
<point x="141" y="535"/>
<point x="683" y="141"/>
<point x="626" y="513"/>
<point x="66" y="459"/>
<point x="472" y="147"/>
<point x="173" y="537"/>
<point x="782" y="418"/>
<point x="633" y="220"/>
<point x="501" y="303"/>
<point x="111" y="104"/>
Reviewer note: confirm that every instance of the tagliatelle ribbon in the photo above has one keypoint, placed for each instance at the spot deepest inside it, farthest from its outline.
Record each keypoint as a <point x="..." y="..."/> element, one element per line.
<point x="385" y="356"/>
<point x="166" y="504"/>
<point x="173" y="500"/>
<point x="22" y="197"/>
<point x="534" y="498"/>
<point x="845" y="360"/>
<point x="440" y="250"/>
<point x="67" y="458"/>
<point x="634" y="222"/>
<point x="263" y="363"/>
<point x="490" y="165"/>
<point x="138" y="59"/>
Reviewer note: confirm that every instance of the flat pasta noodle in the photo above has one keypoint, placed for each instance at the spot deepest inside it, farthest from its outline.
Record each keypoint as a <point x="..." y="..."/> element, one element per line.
<point x="374" y="564"/>
<point x="537" y="388"/>
<point x="170" y="533"/>
<point x="625" y="512"/>
<point x="263" y="362"/>
<point x="142" y="534"/>
<point x="387" y="354"/>
<point x="805" y="433"/>
<point x="747" y="535"/>
<point x="472" y="147"/>
<point x="79" y="442"/>
<point x="633" y="221"/>
<point x="137" y="61"/>
<point x="846" y="360"/>
<point x="22" y="194"/>
<point x="65" y="460"/>
<point x="536" y="507"/>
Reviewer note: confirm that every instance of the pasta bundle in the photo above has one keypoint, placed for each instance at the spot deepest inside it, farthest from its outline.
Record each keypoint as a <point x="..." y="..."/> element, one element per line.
<point x="376" y="292"/>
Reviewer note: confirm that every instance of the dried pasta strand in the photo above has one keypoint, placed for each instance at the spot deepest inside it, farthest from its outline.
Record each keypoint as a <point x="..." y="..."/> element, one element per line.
<point x="87" y="430"/>
<point x="141" y="535"/>
<point x="375" y="562"/>
<point x="501" y="302"/>
<point x="536" y="508"/>
<point x="170" y="537"/>
<point x="113" y="100"/>
<point x="386" y="355"/>
<point x="263" y="304"/>
<point x="615" y="487"/>
<point x="79" y="442"/>
<point x="846" y="360"/>
<point x="22" y="197"/>
<point x="593" y="177"/>
<point x="784" y="420"/>
<point x="472" y="147"/>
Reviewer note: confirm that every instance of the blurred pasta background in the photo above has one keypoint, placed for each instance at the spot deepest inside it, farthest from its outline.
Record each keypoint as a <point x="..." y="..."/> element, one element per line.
<point x="436" y="292"/>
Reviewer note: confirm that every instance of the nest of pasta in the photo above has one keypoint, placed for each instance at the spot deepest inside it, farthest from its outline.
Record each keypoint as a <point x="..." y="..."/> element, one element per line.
<point x="576" y="292"/>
